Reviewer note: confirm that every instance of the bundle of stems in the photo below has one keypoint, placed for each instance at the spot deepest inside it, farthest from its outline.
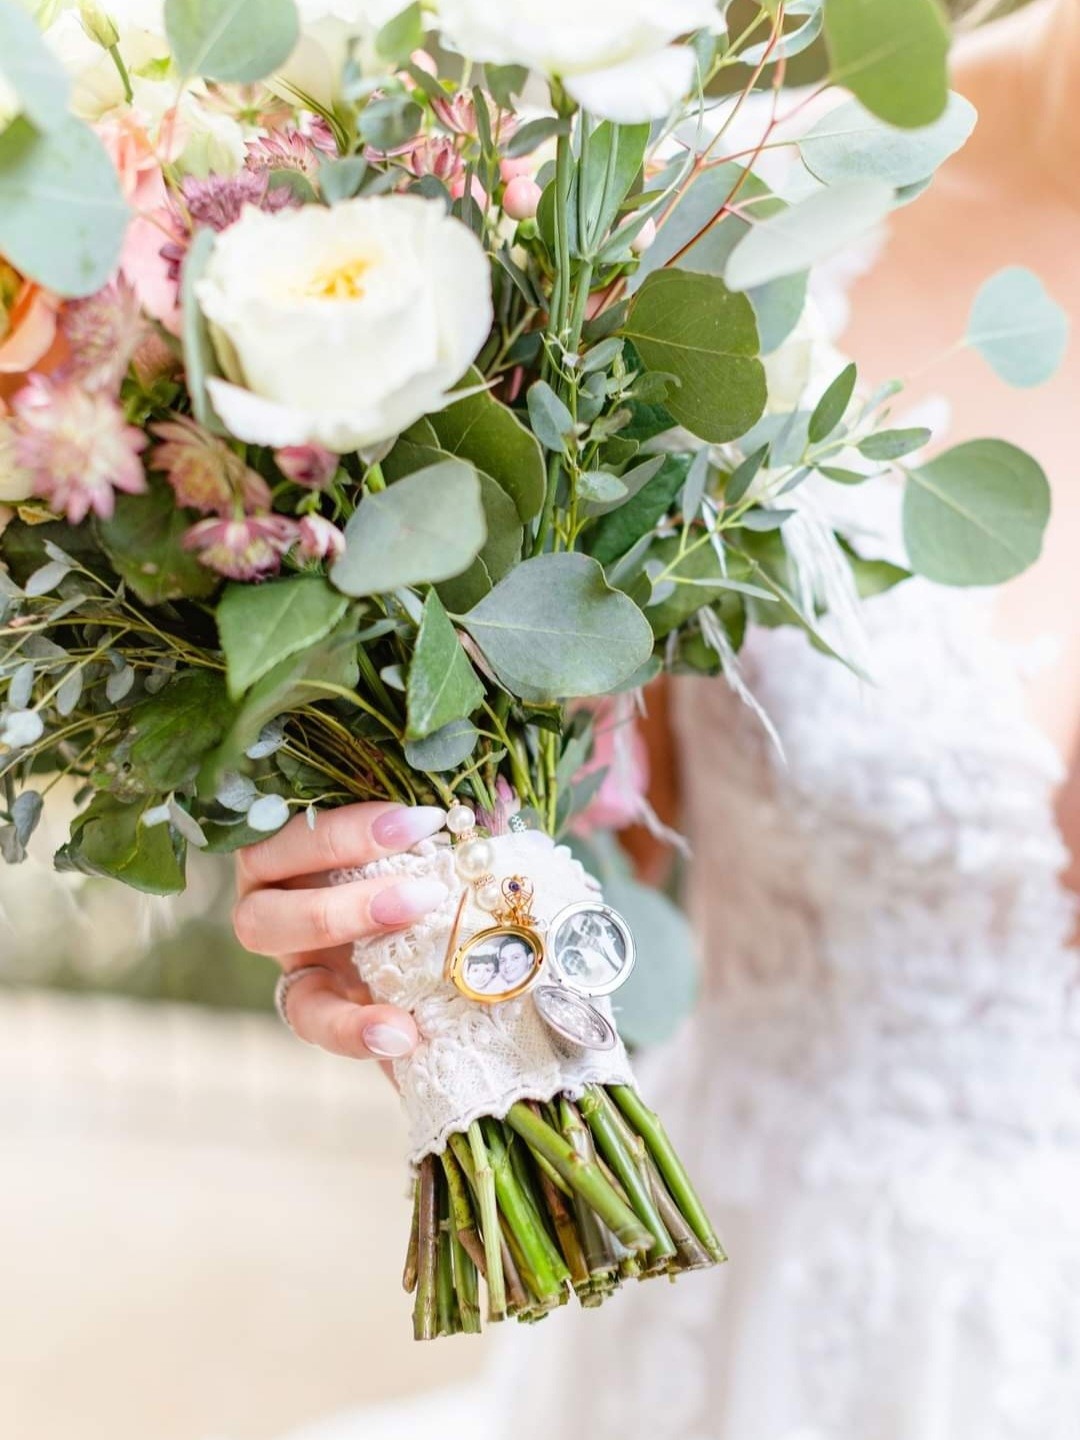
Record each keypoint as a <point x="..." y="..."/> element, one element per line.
<point x="559" y="1198"/>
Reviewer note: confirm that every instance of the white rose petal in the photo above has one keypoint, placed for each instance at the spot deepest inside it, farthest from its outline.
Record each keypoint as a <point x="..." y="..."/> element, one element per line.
<point x="600" y="50"/>
<point x="342" y="326"/>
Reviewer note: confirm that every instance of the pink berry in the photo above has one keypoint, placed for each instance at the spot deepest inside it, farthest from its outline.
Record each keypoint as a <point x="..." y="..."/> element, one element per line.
<point x="644" y="238"/>
<point x="521" y="198"/>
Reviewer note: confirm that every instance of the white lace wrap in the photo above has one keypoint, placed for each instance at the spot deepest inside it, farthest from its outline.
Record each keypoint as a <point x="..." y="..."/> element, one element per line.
<point x="474" y="1059"/>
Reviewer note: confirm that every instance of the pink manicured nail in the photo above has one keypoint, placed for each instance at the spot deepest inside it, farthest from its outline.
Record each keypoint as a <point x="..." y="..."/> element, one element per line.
<point x="408" y="901"/>
<point x="402" y="827"/>
<point x="387" y="1041"/>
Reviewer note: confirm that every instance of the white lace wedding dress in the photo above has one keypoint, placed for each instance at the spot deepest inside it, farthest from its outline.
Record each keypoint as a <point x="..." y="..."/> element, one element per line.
<point x="880" y="1092"/>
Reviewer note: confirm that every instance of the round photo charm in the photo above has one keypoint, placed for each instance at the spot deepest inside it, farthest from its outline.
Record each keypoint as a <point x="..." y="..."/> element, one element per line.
<point x="591" y="948"/>
<point x="497" y="964"/>
<point x="572" y="1017"/>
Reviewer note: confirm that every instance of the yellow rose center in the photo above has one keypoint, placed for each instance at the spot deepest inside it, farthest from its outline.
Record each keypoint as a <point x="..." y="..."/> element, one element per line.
<point x="339" y="282"/>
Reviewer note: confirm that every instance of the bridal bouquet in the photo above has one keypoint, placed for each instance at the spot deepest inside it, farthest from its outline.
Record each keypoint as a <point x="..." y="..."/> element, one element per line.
<point x="375" y="381"/>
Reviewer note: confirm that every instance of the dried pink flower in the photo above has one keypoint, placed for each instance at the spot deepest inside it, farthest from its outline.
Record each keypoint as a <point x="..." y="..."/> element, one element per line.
<point x="307" y="465"/>
<point x="219" y="200"/>
<point x="77" y="447"/>
<point x="435" y="155"/>
<point x="247" y="549"/>
<point x="203" y="472"/>
<point x="292" y="149"/>
<point x="103" y="333"/>
<point x="320" y="539"/>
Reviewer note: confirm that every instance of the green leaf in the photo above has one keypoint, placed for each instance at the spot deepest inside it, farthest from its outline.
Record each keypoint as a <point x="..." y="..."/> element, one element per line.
<point x="616" y="533"/>
<point x="975" y="515"/>
<point x="29" y="67"/>
<point x="554" y="629"/>
<point x="892" y="444"/>
<point x="443" y="686"/>
<point x="613" y="162"/>
<point x="445" y="750"/>
<point x="489" y="435"/>
<point x="808" y="232"/>
<point x="874" y="577"/>
<point x="830" y="409"/>
<point x="390" y="122"/>
<point x="698" y="580"/>
<point x="168" y="736"/>
<point x="144" y="540"/>
<point x="109" y="839"/>
<point x="341" y="179"/>
<point x="504" y="82"/>
<point x="261" y="625"/>
<point x="692" y="326"/>
<point x="233" y="41"/>
<point x="658" y="996"/>
<point x="200" y="360"/>
<point x="849" y="143"/>
<point x="427" y="527"/>
<point x="62" y="215"/>
<point x="891" y="55"/>
<point x="1018" y="329"/>
<point x="401" y="35"/>
<point x="552" y="422"/>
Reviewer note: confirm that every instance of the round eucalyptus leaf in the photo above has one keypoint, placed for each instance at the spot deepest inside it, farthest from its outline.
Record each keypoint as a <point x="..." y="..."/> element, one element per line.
<point x="1019" y="330"/>
<point x="849" y="143"/>
<point x="807" y="232"/>
<point x="891" y="55"/>
<point x="233" y="41"/>
<point x="444" y="750"/>
<point x="268" y="813"/>
<point x="976" y="514"/>
<point x="29" y="67"/>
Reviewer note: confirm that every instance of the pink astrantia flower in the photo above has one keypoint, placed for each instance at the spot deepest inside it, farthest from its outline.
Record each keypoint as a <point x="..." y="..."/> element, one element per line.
<point x="307" y="465"/>
<point x="320" y="539"/>
<point x="103" y="332"/>
<point x="292" y="149"/>
<point x="77" y="447"/>
<point x="203" y="472"/>
<point x="435" y="155"/>
<point x="247" y="549"/>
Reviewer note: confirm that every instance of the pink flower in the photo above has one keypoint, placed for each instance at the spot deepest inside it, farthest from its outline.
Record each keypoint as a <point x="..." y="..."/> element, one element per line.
<point x="511" y="169"/>
<point x="476" y="190"/>
<point x="291" y="149"/>
<point x="457" y="113"/>
<point x="619" y="748"/>
<point x="219" y="200"/>
<point x="77" y="447"/>
<point x="521" y="198"/>
<point x="320" y="539"/>
<point x="435" y="155"/>
<point x="203" y="472"/>
<point x="103" y="333"/>
<point x="247" y="549"/>
<point x="307" y="465"/>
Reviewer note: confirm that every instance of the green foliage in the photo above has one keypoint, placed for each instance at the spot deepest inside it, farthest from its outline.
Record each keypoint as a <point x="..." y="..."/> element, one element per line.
<point x="891" y="55"/>
<point x="443" y="686"/>
<point x="144" y="541"/>
<point x="261" y="625"/>
<point x="62" y="215"/>
<point x="109" y="839"/>
<point x="616" y="532"/>
<point x="976" y="514"/>
<point x="693" y="327"/>
<point x="29" y="67"/>
<point x="832" y="406"/>
<point x="167" y="736"/>
<point x="1018" y="329"/>
<point x="554" y="628"/>
<point x="807" y="232"/>
<point x="491" y="437"/>
<point x="612" y="163"/>
<point x="445" y="749"/>
<point x="848" y="143"/>
<point x="427" y="527"/>
<point x="233" y="41"/>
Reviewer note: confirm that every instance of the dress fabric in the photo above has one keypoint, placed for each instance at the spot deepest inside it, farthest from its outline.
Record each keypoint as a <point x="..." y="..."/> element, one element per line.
<point x="879" y="1094"/>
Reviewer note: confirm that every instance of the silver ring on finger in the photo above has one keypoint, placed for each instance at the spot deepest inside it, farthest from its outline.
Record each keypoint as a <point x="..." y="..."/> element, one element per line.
<point x="285" y="981"/>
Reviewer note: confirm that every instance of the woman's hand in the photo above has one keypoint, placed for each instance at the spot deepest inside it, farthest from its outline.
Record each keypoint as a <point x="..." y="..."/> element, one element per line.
<point x="287" y="908"/>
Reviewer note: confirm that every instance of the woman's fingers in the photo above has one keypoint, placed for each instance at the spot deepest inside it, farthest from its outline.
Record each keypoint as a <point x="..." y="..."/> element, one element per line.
<point x="282" y="922"/>
<point x="321" y="1015"/>
<point x="341" y="840"/>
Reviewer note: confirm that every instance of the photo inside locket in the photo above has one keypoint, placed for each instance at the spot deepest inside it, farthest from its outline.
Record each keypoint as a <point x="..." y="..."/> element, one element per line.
<point x="498" y="964"/>
<point x="590" y="949"/>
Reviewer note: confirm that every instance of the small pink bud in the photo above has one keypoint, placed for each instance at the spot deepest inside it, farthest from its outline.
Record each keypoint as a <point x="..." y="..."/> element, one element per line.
<point x="644" y="238"/>
<point x="521" y="198"/>
<point x="511" y="169"/>
<point x="307" y="465"/>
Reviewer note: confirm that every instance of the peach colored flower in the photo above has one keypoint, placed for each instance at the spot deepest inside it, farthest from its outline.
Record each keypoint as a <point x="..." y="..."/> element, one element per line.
<point x="28" y="323"/>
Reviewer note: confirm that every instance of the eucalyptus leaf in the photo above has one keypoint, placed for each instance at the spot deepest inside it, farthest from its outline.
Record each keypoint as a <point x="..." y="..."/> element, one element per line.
<point x="849" y="143"/>
<point x="554" y="629"/>
<point x="268" y="813"/>
<point x="427" y="527"/>
<point x="261" y="625"/>
<point x="891" y="55"/>
<point x="445" y="749"/>
<point x="552" y="422"/>
<point x="975" y="515"/>
<point x="70" y="692"/>
<point x="232" y="41"/>
<point x="693" y="327"/>
<point x="442" y="685"/>
<point x="612" y="162"/>
<point x="632" y="481"/>
<point x="832" y="406"/>
<point x="20" y="728"/>
<point x="144" y="539"/>
<point x="892" y="444"/>
<point x="1018" y="329"/>
<point x="807" y="232"/>
<point x="617" y="532"/>
<point x="47" y="578"/>
<point x="109" y="838"/>
<point x="21" y="686"/>
<point x="28" y="65"/>
<point x="62" y="214"/>
<point x="167" y="736"/>
<point x="491" y="437"/>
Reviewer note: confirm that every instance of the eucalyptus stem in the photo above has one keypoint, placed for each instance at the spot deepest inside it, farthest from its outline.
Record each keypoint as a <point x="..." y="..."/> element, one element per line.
<point x="489" y="1224"/>
<point x="409" y="1274"/>
<point x="466" y="1287"/>
<point x="624" y="1163"/>
<point x="545" y="1266"/>
<point x="425" y="1317"/>
<point x="462" y="1212"/>
<point x="445" y="1296"/>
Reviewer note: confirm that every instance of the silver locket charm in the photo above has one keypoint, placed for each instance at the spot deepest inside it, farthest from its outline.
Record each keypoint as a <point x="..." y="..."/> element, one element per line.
<point x="590" y="952"/>
<point x="573" y="1017"/>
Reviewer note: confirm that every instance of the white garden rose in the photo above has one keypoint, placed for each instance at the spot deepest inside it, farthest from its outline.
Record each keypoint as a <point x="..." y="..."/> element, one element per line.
<point x="342" y="326"/>
<point x="614" y="57"/>
<point x="328" y="28"/>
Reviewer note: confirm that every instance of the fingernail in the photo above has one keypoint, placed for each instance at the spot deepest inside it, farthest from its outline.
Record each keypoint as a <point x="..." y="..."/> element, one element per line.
<point x="402" y="827"/>
<point x="408" y="901"/>
<point x="387" y="1041"/>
